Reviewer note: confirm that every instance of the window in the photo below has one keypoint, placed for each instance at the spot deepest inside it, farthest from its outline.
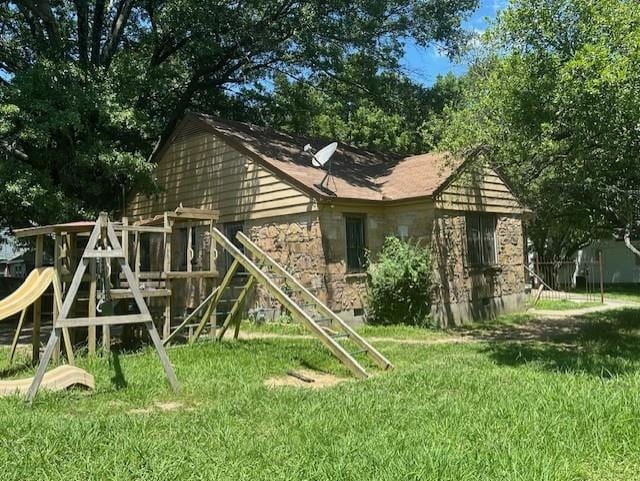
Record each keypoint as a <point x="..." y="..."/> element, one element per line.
<point x="481" y="239"/>
<point x="355" y="242"/>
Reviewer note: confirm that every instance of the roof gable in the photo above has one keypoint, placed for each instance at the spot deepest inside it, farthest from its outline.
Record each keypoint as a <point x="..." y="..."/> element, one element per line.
<point x="357" y="174"/>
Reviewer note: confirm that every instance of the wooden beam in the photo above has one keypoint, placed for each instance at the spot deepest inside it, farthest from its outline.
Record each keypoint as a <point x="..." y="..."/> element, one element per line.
<point x="166" y="327"/>
<point x="93" y="289"/>
<point x="37" y="379"/>
<point x="104" y="320"/>
<point x="237" y="306"/>
<point x="192" y="275"/>
<point x="141" y="228"/>
<point x="57" y="302"/>
<point x="37" y="306"/>
<point x="376" y="356"/>
<point x="226" y="281"/>
<point x="146" y="293"/>
<point x="295" y="310"/>
<point x="16" y="336"/>
<point x="103" y="254"/>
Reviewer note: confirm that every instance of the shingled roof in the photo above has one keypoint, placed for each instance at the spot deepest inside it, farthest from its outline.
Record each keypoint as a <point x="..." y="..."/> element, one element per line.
<point x="357" y="174"/>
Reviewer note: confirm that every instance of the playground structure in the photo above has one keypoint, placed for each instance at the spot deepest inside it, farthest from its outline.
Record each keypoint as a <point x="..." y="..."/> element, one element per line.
<point x="102" y="277"/>
<point x="170" y="266"/>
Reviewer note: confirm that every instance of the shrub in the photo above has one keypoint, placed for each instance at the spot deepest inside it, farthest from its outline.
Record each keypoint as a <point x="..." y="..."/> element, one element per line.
<point x="399" y="284"/>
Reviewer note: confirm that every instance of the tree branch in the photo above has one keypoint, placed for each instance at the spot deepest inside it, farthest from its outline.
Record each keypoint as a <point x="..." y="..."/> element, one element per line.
<point x="82" y="12"/>
<point x="117" y="28"/>
<point x="627" y="241"/>
<point x="42" y="10"/>
<point x="96" y="32"/>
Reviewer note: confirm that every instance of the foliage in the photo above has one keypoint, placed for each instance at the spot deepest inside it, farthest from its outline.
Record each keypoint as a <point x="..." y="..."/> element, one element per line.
<point x="87" y="87"/>
<point x="552" y="100"/>
<point x="382" y="111"/>
<point x="399" y="284"/>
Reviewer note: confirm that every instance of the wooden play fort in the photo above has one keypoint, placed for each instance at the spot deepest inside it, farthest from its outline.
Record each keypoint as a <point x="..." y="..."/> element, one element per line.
<point x="162" y="272"/>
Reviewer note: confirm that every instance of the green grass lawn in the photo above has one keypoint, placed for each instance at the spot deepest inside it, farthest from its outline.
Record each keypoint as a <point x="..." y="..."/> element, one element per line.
<point x="393" y="331"/>
<point x="622" y="292"/>
<point x="563" y="304"/>
<point x="564" y="410"/>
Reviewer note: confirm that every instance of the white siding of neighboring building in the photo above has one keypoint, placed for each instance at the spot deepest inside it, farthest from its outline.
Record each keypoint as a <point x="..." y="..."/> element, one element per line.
<point x="620" y="265"/>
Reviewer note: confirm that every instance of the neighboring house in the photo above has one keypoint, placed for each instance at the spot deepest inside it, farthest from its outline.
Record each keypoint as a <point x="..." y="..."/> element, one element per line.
<point x="619" y="264"/>
<point x="263" y="183"/>
<point x="16" y="267"/>
<point x="10" y="265"/>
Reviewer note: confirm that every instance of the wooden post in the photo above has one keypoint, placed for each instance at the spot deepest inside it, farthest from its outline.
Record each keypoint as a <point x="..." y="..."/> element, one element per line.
<point x="16" y="337"/>
<point x="37" y="305"/>
<point x="166" y="327"/>
<point x="601" y="277"/>
<point x="212" y="265"/>
<point x="54" y="310"/>
<point x="91" y="311"/>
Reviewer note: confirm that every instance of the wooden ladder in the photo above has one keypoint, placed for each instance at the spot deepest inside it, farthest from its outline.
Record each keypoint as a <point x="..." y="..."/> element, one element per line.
<point x="312" y="313"/>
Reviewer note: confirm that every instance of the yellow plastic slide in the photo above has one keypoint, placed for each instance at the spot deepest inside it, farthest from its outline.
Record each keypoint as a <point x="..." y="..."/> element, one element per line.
<point x="29" y="291"/>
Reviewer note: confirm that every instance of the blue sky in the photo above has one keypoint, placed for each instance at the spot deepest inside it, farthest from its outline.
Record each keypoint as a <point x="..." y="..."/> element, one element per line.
<point x="425" y="64"/>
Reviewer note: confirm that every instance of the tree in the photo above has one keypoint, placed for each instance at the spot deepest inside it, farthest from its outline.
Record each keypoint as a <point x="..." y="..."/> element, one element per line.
<point x="86" y="87"/>
<point x="553" y="98"/>
<point x="361" y="106"/>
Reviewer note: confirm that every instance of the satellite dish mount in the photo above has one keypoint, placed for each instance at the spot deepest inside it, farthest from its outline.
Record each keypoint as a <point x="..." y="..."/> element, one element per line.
<point x="322" y="158"/>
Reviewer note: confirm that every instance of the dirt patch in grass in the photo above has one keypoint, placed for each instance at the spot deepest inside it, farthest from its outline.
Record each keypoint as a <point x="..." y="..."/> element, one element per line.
<point x="319" y="379"/>
<point x="160" y="406"/>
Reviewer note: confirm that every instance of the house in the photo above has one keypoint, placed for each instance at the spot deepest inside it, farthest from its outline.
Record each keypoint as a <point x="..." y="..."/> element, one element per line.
<point x="263" y="183"/>
<point x="619" y="264"/>
<point x="11" y="262"/>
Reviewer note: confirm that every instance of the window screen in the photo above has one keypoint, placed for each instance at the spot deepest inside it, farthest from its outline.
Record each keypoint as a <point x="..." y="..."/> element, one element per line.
<point x="481" y="239"/>
<point x="355" y="242"/>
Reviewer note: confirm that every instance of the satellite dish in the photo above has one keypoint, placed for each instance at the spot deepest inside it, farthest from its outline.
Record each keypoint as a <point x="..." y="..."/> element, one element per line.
<point x="323" y="155"/>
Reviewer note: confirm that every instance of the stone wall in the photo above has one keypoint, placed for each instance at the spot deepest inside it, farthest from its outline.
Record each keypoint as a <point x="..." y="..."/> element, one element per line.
<point x="295" y="242"/>
<point x="462" y="292"/>
<point x="347" y="291"/>
<point x="312" y="247"/>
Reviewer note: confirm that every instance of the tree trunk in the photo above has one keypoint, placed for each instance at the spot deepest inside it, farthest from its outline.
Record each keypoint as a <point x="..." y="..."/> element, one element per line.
<point x="627" y="241"/>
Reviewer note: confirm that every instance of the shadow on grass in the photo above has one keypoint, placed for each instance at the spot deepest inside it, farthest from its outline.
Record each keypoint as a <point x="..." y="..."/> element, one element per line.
<point x="118" y="379"/>
<point x="603" y="344"/>
<point x="14" y="369"/>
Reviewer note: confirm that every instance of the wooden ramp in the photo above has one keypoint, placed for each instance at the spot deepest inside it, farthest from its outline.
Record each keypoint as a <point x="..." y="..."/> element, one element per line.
<point x="336" y="335"/>
<point x="58" y="379"/>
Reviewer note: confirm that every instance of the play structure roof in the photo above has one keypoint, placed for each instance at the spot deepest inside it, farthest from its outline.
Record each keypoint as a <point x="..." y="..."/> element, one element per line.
<point x="358" y="174"/>
<point x="68" y="227"/>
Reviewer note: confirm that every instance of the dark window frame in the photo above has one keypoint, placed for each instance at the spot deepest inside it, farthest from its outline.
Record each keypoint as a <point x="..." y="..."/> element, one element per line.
<point x="355" y="255"/>
<point x="481" y="239"/>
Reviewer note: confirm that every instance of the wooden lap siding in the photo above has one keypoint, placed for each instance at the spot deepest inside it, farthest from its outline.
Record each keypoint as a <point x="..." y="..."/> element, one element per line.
<point x="200" y="170"/>
<point x="482" y="191"/>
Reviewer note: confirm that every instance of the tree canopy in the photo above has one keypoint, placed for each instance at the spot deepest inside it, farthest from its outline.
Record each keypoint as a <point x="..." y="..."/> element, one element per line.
<point x="552" y="97"/>
<point x="88" y="87"/>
